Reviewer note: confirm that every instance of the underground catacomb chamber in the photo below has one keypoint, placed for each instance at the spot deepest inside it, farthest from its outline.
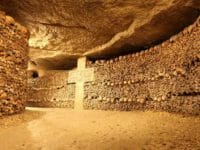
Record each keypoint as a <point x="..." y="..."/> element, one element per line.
<point x="162" y="77"/>
<point x="140" y="63"/>
<point x="100" y="74"/>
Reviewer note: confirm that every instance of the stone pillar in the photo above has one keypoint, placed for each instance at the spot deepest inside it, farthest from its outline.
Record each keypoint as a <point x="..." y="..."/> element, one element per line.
<point x="13" y="65"/>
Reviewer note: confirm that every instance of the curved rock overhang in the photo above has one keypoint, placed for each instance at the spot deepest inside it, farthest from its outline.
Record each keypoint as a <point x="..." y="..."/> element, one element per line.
<point x="62" y="31"/>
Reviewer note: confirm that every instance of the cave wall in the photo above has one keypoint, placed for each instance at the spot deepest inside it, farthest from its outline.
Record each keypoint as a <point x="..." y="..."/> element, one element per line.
<point x="13" y="65"/>
<point x="50" y="90"/>
<point x="165" y="77"/>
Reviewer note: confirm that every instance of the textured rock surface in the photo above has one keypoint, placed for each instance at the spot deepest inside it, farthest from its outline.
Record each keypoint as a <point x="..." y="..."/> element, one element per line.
<point x="73" y="28"/>
<point x="50" y="90"/>
<point x="13" y="65"/>
<point x="165" y="77"/>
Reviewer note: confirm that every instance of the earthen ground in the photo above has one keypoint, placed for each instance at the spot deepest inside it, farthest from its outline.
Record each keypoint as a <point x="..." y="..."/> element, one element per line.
<point x="62" y="129"/>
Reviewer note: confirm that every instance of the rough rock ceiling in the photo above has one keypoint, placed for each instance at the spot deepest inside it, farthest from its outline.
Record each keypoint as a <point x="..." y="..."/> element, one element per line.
<point x="63" y="29"/>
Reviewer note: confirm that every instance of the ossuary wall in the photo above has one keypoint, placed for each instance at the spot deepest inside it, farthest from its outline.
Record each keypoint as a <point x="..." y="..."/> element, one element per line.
<point x="13" y="65"/>
<point x="165" y="77"/>
<point x="51" y="90"/>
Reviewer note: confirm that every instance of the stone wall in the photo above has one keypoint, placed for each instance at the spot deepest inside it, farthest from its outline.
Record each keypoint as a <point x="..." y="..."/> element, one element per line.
<point x="165" y="77"/>
<point x="51" y="90"/>
<point x="13" y="65"/>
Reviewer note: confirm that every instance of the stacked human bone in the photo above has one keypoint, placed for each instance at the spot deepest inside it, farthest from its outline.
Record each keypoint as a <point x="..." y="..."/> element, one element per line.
<point x="51" y="90"/>
<point x="13" y="65"/>
<point x="165" y="77"/>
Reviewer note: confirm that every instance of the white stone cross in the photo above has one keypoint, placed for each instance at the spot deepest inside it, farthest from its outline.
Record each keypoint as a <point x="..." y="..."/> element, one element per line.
<point x="80" y="76"/>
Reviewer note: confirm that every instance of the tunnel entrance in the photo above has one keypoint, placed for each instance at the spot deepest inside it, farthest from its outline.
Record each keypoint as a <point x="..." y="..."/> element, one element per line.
<point x="34" y="74"/>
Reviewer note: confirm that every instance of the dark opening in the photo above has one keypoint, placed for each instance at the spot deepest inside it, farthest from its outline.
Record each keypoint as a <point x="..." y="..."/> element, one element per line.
<point x="35" y="74"/>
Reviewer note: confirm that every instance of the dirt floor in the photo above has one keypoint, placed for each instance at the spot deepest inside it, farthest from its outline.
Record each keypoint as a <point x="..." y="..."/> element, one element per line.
<point x="62" y="129"/>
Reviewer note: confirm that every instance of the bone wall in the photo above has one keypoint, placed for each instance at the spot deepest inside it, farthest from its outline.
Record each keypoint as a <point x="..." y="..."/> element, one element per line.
<point x="165" y="77"/>
<point x="13" y="65"/>
<point x="51" y="90"/>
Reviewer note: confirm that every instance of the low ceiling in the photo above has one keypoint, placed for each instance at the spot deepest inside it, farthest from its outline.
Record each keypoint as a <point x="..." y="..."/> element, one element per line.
<point x="63" y="30"/>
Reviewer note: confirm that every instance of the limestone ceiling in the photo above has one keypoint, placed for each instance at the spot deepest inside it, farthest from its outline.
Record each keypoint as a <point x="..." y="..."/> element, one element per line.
<point x="97" y="28"/>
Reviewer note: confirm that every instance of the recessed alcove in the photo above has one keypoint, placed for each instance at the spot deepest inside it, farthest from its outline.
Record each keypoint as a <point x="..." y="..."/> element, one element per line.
<point x="34" y="74"/>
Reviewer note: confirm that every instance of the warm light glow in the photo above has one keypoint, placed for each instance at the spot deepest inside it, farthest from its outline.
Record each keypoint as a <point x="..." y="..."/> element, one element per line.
<point x="38" y="42"/>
